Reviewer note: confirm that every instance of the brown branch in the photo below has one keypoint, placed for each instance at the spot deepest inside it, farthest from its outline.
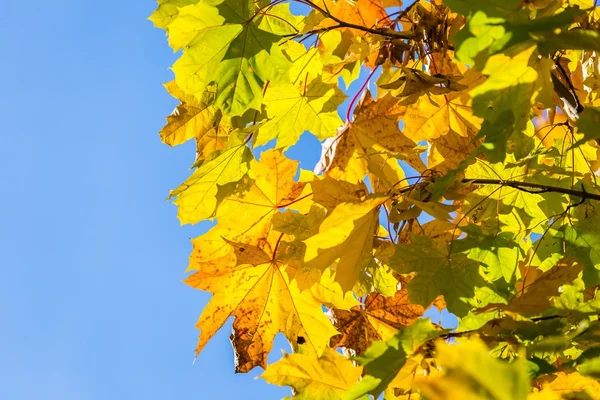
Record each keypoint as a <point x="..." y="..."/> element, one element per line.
<point x="523" y="186"/>
<point x="469" y="332"/>
<point x="386" y="32"/>
<point x="526" y="187"/>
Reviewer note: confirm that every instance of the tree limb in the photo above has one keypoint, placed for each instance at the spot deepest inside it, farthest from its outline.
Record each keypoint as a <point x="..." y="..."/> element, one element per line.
<point x="524" y="186"/>
<point x="386" y="32"/>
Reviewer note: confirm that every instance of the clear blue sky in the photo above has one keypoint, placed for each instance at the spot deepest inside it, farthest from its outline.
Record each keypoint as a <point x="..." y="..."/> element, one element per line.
<point x="92" y="257"/>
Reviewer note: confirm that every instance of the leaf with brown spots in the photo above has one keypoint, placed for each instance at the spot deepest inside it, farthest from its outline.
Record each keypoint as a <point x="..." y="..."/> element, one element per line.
<point x="246" y="216"/>
<point x="371" y="144"/>
<point x="378" y="319"/>
<point x="466" y="128"/>
<point x="257" y="290"/>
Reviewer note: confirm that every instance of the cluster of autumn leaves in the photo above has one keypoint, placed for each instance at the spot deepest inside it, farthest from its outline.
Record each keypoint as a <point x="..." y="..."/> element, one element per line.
<point x="415" y="202"/>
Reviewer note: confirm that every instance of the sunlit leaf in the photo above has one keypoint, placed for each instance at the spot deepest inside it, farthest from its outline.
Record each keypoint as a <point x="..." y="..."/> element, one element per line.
<point x="324" y="378"/>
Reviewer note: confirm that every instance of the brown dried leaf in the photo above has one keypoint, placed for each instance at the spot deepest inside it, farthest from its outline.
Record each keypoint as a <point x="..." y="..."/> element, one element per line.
<point x="379" y="319"/>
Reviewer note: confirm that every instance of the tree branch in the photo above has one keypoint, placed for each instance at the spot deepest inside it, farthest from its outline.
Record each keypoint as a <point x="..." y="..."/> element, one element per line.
<point x="525" y="186"/>
<point x="386" y="32"/>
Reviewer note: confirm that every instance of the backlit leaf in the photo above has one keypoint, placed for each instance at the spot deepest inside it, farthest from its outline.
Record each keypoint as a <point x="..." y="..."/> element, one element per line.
<point x="324" y="378"/>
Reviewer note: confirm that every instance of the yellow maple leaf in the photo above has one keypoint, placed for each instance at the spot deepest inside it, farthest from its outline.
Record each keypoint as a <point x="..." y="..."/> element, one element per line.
<point x="258" y="291"/>
<point x="293" y="109"/>
<point x="197" y="197"/>
<point x="246" y="216"/>
<point x="570" y="383"/>
<point x="448" y="151"/>
<point x="437" y="115"/>
<point x="472" y="373"/>
<point x="372" y="143"/>
<point x="197" y="119"/>
<point x="326" y="377"/>
<point x="330" y="192"/>
<point x="346" y="235"/>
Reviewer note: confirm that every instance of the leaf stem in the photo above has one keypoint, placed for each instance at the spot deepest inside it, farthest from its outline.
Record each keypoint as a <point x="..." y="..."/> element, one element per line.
<point x="276" y="247"/>
<point x="358" y="93"/>
<point x="294" y="201"/>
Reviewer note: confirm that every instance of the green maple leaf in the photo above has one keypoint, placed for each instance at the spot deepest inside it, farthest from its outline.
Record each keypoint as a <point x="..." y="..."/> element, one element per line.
<point x="588" y="125"/>
<point x="500" y="253"/>
<point x="384" y="359"/>
<point x="280" y="21"/>
<point x="518" y="210"/>
<point x="455" y="277"/>
<point x="578" y="237"/>
<point x="224" y="43"/>
<point x="504" y="100"/>
<point x="496" y="26"/>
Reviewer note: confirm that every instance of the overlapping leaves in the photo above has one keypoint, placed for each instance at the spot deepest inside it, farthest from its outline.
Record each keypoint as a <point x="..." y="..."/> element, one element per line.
<point x="463" y="177"/>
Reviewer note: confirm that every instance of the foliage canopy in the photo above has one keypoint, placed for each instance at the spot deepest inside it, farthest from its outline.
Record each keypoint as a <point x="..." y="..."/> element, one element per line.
<point x="466" y="179"/>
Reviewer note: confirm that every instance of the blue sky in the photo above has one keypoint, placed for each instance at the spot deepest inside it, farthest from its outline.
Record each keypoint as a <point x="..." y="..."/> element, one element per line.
<point x="91" y="299"/>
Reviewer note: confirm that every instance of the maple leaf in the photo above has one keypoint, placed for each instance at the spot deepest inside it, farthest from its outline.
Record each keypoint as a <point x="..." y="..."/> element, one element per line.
<point x="453" y="276"/>
<point x="224" y="44"/>
<point x="337" y="50"/>
<point x="331" y="192"/>
<point x="196" y="119"/>
<point x="379" y="319"/>
<point x="448" y="152"/>
<point x="518" y="209"/>
<point x="196" y="198"/>
<point x="411" y="84"/>
<point x="246" y="216"/>
<point x="504" y="100"/>
<point x="167" y="12"/>
<point x="536" y="293"/>
<point x="371" y="144"/>
<point x="500" y="253"/>
<point x="578" y="239"/>
<point x="362" y="12"/>
<point x="346" y="235"/>
<point x="437" y="115"/>
<point x="572" y="384"/>
<point x="471" y="371"/>
<point x="326" y="377"/>
<point x="383" y="360"/>
<point x="278" y="19"/>
<point x="273" y="188"/>
<point x="301" y="226"/>
<point x="293" y="110"/>
<point x="305" y="63"/>
<point x="260" y="294"/>
<point x="469" y="183"/>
